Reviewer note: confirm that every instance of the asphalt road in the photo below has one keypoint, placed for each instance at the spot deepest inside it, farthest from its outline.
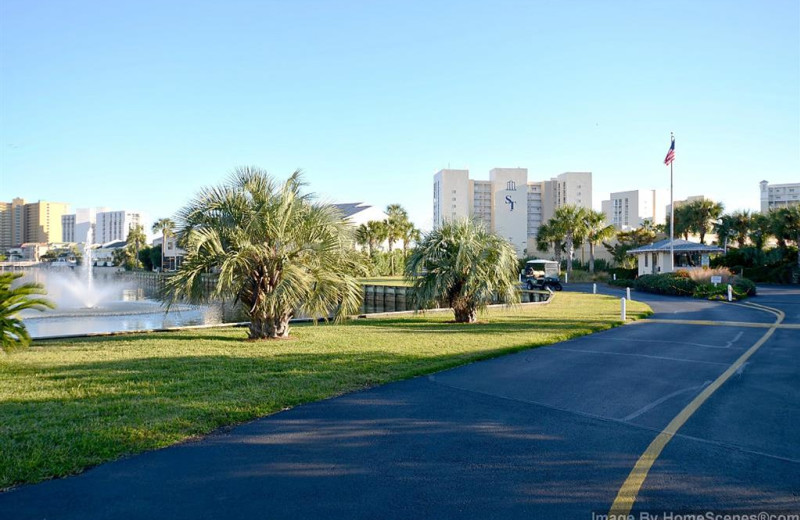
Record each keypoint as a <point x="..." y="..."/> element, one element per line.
<point x="552" y="432"/>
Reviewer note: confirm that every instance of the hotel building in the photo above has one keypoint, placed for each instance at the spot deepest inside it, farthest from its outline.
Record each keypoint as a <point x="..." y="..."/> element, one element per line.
<point x="508" y="204"/>
<point x="774" y="196"/>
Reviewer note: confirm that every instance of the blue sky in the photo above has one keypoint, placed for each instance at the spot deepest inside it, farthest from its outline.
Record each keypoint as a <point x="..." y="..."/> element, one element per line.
<point x="139" y="104"/>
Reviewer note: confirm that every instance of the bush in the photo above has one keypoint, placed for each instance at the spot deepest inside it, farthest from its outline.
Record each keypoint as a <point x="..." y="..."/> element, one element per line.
<point x="676" y="284"/>
<point x="622" y="282"/>
<point x="741" y="288"/>
<point x="622" y="273"/>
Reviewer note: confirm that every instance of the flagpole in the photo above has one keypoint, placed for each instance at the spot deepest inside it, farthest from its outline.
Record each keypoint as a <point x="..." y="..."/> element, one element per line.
<point x="671" y="217"/>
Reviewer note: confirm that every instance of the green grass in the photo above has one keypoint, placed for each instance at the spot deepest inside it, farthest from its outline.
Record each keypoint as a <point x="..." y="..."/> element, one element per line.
<point x="395" y="281"/>
<point x="68" y="405"/>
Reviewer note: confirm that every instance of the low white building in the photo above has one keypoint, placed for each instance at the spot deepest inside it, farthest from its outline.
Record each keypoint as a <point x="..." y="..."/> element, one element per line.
<point x="654" y="258"/>
<point x="359" y="213"/>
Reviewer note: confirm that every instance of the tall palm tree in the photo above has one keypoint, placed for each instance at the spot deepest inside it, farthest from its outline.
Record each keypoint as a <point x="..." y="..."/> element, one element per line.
<point x="135" y="242"/>
<point x="549" y="236"/>
<point x="571" y="221"/>
<point x="165" y="226"/>
<point x="14" y="300"/>
<point x="273" y="248"/>
<point x="410" y="234"/>
<point x="396" y="223"/>
<point x="701" y="214"/>
<point x="724" y="228"/>
<point x="364" y="238"/>
<point x="760" y="230"/>
<point x="740" y="226"/>
<point x="596" y="231"/>
<point x="465" y="265"/>
<point x="379" y="232"/>
<point x="683" y="221"/>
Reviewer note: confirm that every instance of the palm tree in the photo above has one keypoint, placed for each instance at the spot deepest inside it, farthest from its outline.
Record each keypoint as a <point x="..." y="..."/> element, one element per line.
<point x="409" y="234"/>
<point x="14" y="300"/>
<point x="701" y="214"/>
<point x="273" y="248"/>
<point x="166" y="227"/>
<point x="396" y="222"/>
<point x="724" y="228"/>
<point x="683" y="221"/>
<point x="597" y="231"/>
<point x="135" y="242"/>
<point x="549" y="236"/>
<point x="786" y="223"/>
<point x="571" y="221"/>
<point x="465" y="265"/>
<point x="364" y="238"/>
<point x="760" y="230"/>
<point x="740" y="226"/>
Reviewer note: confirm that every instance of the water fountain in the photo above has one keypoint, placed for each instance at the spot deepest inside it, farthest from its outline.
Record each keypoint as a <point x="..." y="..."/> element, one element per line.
<point x="88" y="303"/>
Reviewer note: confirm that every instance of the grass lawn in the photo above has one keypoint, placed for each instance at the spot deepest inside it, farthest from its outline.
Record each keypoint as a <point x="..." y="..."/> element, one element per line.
<point x="68" y="405"/>
<point x="395" y="281"/>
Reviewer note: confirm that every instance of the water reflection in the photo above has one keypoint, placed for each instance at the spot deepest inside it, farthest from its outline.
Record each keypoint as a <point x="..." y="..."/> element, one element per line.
<point x="107" y="303"/>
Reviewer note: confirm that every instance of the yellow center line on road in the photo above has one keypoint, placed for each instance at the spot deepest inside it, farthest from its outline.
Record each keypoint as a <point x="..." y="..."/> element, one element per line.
<point x="626" y="497"/>
<point x="748" y="324"/>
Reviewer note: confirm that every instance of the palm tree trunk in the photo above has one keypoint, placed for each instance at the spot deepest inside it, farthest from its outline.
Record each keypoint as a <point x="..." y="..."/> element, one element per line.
<point x="465" y="314"/>
<point x="591" y="257"/>
<point x="570" y="254"/>
<point x="271" y="327"/>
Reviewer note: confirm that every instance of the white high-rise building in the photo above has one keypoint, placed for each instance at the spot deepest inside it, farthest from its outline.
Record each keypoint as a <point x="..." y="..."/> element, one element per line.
<point x="507" y="203"/>
<point x="629" y="209"/>
<point x="76" y="227"/>
<point x="115" y="225"/>
<point x="774" y="196"/>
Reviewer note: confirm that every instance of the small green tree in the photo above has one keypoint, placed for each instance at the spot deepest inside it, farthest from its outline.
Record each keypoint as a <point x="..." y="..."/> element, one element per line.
<point x="464" y="265"/>
<point x="14" y="300"/>
<point x="272" y="248"/>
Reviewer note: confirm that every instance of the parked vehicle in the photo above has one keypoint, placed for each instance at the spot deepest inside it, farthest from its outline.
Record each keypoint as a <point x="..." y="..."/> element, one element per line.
<point x="541" y="274"/>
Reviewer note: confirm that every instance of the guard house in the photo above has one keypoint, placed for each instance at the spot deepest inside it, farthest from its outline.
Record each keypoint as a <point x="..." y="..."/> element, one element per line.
<point x="654" y="258"/>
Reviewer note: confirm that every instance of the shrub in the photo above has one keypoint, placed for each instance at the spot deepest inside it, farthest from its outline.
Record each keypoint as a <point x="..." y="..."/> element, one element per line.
<point x="622" y="282"/>
<point x="625" y="274"/>
<point x="741" y="288"/>
<point x="677" y="284"/>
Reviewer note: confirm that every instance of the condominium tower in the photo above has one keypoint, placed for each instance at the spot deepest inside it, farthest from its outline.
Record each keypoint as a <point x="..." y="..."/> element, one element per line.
<point x="629" y="209"/>
<point x="508" y="203"/>
<point x="33" y="222"/>
<point x="774" y="196"/>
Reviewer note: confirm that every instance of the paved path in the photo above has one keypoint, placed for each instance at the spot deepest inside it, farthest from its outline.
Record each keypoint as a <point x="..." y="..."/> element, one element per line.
<point x="552" y="432"/>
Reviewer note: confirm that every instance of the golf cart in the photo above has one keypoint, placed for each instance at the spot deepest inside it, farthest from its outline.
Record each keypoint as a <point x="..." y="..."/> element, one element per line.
<point x="541" y="274"/>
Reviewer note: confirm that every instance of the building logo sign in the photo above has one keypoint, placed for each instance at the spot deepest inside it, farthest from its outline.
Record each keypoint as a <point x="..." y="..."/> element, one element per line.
<point x="511" y="202"/>
<point x="511" y="186"/>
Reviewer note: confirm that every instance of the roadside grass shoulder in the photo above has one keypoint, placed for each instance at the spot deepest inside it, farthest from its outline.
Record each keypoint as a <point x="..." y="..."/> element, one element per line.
<point x="69" y="405"/>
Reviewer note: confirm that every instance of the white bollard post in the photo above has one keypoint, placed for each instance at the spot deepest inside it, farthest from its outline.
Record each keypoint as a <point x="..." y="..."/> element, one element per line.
<point x="566" y="277"/>
<point x="594" y="288"/>
<point x="730" y="293"/>
<point x="624" y="313"/>
<point x="628" y="293"/>
<point x="615" y="276"/>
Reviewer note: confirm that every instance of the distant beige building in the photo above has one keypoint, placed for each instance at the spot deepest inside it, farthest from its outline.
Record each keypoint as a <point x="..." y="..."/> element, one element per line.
<point x="774" y="196"/>
<point x="508" y="203"/>
<point x="35" y="222"/>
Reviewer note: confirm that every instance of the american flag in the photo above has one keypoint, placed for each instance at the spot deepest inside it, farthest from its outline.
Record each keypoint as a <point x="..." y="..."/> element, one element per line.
<point x="671" y="153"/>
